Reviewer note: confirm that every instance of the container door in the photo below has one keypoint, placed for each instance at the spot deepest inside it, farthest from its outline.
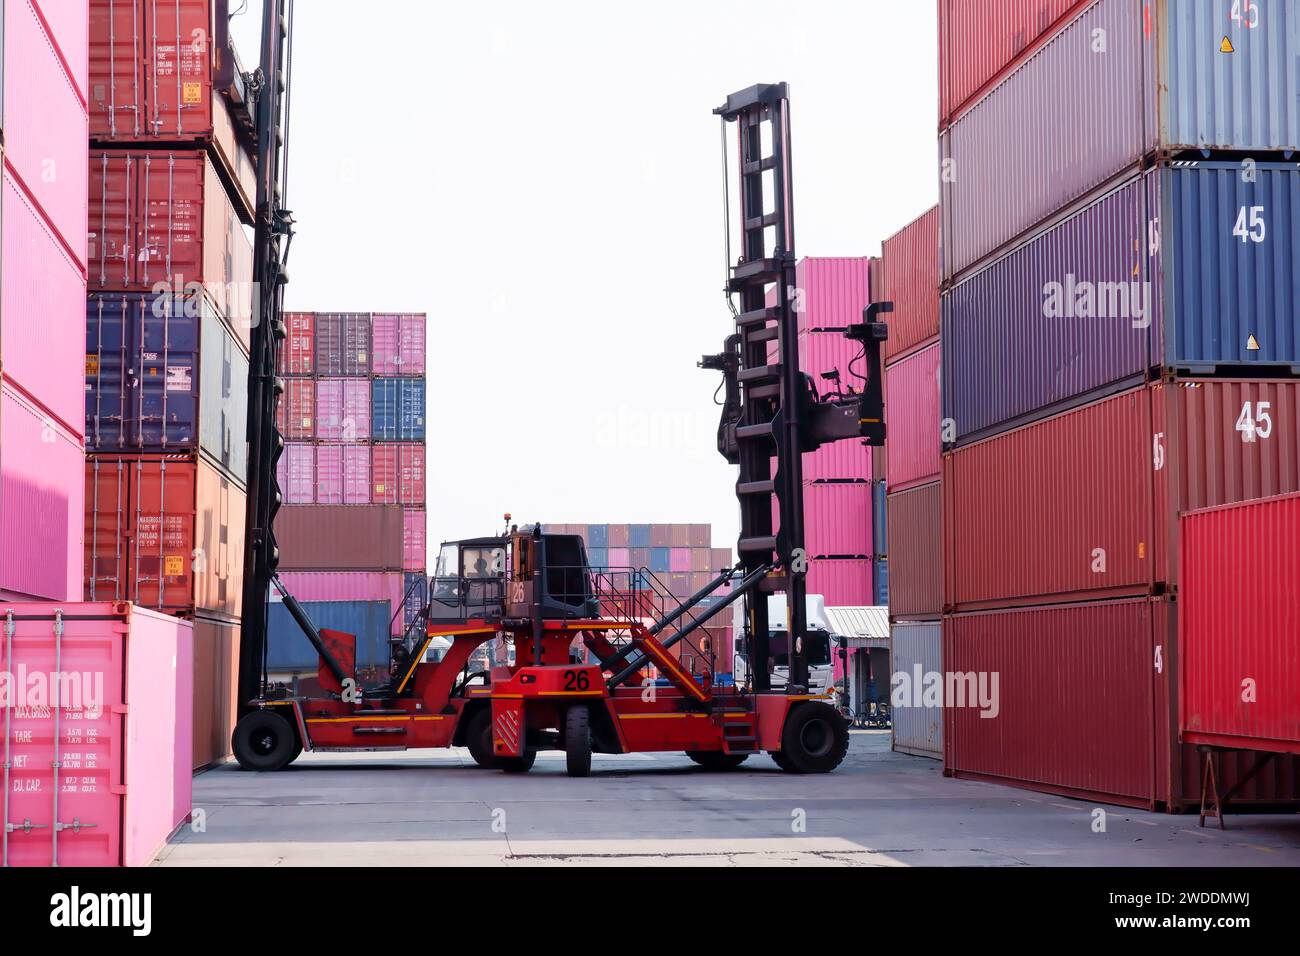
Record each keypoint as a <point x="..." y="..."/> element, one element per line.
<point x="117" y="64"/>
<point x="180" y="69"/>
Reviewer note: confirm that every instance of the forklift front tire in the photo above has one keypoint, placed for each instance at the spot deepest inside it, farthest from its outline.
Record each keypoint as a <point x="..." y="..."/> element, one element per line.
<point x="577" y="741"/>
<point x="478" y="737"/>
<point x="263" y="741"/>
<point x="815" y="739"/>
<point x="518" y="764"/>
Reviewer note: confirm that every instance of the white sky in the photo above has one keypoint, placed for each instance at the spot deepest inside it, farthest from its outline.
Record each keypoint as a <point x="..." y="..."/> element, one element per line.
<point x="543" y="179"/>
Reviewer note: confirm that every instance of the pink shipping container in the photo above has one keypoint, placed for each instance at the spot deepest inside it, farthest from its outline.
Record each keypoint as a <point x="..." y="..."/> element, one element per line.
<point x="298" y="354"/>
<point x="343" y="409"/>
<point x="398" y="343"/>
<point x="837" y="520"/>
<point x="843" y="583"/>
<point x="1239" y="626"/>
<point x="348" y="586"/>
<point x="415" y="533"/>
<point x="912" y="420"/>
<point x="42" y="503"/>
<point x="910" y="269"/>
<point x="118" y="763"/>
<point x="620" y="558"/>
<point x="397" y="474"/>
<point x="42" y="309"/>
<point x="296" y="474"/>
<point x="46" y="126"/>
<point x="679" y="559"/>
<point x="343" y="475"/>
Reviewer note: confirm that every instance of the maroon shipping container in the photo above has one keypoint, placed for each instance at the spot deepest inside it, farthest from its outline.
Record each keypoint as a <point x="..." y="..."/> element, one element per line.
<point x="298" y="353"/>
<point x="720" y="559"/>
<point x="661" y="536"/>
<point x="679" y="535"/>
<point x="1075" y="699"/>
<point x="618" y="536"/>
<point x="164" y="217"/>
<point x="340" y="537"/>
<point x="296" y="412"/>
<point x="700" y="562"/>
<point x="980" y="42"/>
<point x="397" y="474"/>
<point x="216" y="689"/>
<point x="910" y="269"/>
<point x="915" y="520"/>
<point x="699" y="535"/>
<point x="1239" y="626"/>
<point x="343" y="343"/>
<point x="398" y="343"/>
<point x="912" y="422"/>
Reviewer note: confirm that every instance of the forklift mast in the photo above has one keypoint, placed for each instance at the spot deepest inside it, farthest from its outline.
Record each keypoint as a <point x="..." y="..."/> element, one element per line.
<point x="272" y="236"/>
<point x="772" y="413"/>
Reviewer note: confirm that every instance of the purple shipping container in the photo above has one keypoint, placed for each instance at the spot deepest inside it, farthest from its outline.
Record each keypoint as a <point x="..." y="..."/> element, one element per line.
<point x="347" y="586"/>
<point x="1014" y="342"/>
<point x="42" y="503"/>
<point x="342" y="475"/>
<point x="42" y="291"/>
<point x="398" y="343"/>
<point x="343" y="343"/>
<point x="296" y="474"/>
<point x="343" y="409"/>
<point x="414" y="540"/>
<point x="46" y="126"/>
<point x="837" y="520"/>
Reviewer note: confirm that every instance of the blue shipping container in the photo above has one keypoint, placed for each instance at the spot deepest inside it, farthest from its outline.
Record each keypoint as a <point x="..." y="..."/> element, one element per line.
<point x="660" y="560"/>
<point x="880" y="582"/>
<point x="879" y="523"/>
<point x="415" y="590"/>
<point x="397" y="409"/>
<point x="638" y="536"/>
<point x="598" y="536"/>
<point x="289" y="650"/>
<point x="598" y="557"/>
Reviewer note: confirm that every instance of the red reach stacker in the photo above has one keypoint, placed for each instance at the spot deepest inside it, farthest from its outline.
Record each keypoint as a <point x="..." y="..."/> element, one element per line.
<point x="536" y="592"/>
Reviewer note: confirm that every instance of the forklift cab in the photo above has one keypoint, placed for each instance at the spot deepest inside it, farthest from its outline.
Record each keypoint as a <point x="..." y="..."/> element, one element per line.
<point x="554" y="568"/>
<point x="468" y="580"/>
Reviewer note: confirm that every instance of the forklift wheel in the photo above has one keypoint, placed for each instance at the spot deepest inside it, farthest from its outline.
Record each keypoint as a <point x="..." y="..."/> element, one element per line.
<point x="478" y="737"/>
<point x="577" y="741"/>
<point x="815" y="739"/>
<point x="779" y="759"/>
<point x="263" y="741"/>
<point x="517" y="764"/>
<point x="716" y="759"/>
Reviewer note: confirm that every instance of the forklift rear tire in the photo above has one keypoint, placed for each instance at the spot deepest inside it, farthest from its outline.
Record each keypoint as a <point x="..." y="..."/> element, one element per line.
<point x="815" y="739"/>
<point x="518" y="764"/>
<point x="716" y="759"/>
<point x="577" y="741"/>
<point x="263" y="741"/>
<point x="478" y="738"/>
<point x="779" y="759"/>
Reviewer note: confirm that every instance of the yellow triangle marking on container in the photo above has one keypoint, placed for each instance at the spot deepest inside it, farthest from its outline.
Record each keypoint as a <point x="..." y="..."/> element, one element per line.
<point x="1252" y="344"/>
<point x="1226" y="46"/>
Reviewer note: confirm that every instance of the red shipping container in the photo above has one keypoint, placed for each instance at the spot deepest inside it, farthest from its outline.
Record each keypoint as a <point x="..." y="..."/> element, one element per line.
<point x="42" y="503"/>
<point x="343" y="475"/>
<point x="160" y="217"/>
<point x="679" y="536"/>
<point x="1074" y="706"/>
<point x="295" y="472"/>
<point x="296" y="412"/>
<point x="44" y="115"/>
<point x="910" y="269"/>
<point x="342" y="409"/>
<point x="700" y="560"/>
<point x="912" y="420"/>
<point x="639" y="557"/>
<point x="398" y="343"/>
<point x="843" y="583"/>
<point x="42" y="310"/>
<point x="397" y="474"/>
<point x="115" y="751"/>
<point x="165" y="532"/>
<point x="720" y="559"/>
<point x="981" y="42"/>
<point x="414" y="537"/>
<point x="699" y="535"/>
<point x="1239" y="626"/>
<point x="298" y="353"/>
<point x="661" y="536"/>
<point x="618" y="536"/>
<point x="915" y="520"/>
<point x="837" y="520"/>
<point x="153" y="68"/>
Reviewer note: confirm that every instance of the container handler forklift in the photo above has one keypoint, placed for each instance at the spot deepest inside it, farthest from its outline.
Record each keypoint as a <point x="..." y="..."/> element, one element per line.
<point x="537" y="590"/>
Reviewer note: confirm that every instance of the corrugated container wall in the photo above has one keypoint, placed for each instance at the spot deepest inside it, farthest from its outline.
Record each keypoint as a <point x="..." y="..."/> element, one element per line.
<point x="844" y="583"/>
<point x="837" y="520"/>
<point x="340" y="537"/>
<point x="916" y="656"/>
<point x="1238" y="639"/>
<point x="398" y="342"/>
<point x="216" y="706"/>
<point x="912" y="419"/>
<point x="289" y="650"/>
<point x="342" y="342"/>
<point x="910" y="268"/>
<point x="916" y="552"/>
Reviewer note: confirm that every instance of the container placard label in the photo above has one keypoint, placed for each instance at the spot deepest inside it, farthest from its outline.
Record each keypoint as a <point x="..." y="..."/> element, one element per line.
<point x="173" y="565"/>
<point x="179" y="378"/>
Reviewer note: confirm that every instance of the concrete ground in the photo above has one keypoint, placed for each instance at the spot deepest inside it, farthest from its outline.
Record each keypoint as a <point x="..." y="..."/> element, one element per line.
<point x="878" y="809"/>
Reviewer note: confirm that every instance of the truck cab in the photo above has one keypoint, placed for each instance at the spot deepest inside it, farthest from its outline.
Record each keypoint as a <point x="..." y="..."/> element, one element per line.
<point x="818" y="645"/>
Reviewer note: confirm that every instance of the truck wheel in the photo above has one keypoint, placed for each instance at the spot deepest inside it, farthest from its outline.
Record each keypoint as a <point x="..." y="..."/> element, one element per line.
<point x="478" y="737"/>
<point x="521" y="764"/>
<point x="815" y="738"/>
<point x="263" y="741"/>
<point x="577" y="741"/>
<point x="716" y="759"/>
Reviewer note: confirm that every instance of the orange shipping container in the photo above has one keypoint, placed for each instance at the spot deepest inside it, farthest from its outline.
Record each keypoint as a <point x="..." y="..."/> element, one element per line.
<point x="165" y="532"/>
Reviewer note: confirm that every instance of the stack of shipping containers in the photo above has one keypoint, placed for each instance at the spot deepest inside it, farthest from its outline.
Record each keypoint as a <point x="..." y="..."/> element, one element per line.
<point x="42" y="286"/>
<point x="913" y="503"/>
<point x="167" y="330"/>
<point x="352" y="476"/>
<point x="672" y="560"/>
<point x="1119" y="281"/>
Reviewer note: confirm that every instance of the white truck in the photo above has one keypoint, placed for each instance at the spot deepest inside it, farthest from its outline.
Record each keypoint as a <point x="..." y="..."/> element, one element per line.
<point x="817" y="650"/>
